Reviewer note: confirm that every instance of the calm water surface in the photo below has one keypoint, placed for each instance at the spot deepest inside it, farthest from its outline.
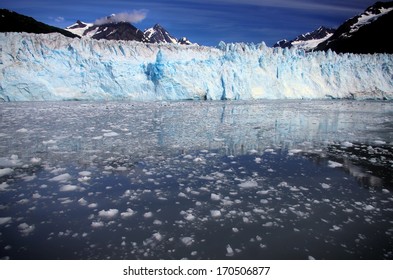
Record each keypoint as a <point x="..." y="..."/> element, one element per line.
<point x="196" y="180"/>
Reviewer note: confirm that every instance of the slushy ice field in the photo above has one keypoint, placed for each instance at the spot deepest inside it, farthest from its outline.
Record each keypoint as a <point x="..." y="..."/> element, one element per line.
<point x="196" y="180"/>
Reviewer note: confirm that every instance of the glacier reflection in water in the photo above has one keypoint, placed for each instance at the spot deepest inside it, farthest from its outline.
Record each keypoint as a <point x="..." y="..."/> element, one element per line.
<point x="197" y="180"/>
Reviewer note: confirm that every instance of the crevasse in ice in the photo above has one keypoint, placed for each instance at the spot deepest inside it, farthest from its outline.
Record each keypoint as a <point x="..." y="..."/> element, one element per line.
<point x="53" y="67"/>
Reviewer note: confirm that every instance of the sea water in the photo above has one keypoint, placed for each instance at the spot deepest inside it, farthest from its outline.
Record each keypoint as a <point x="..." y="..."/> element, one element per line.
<point x="196" y="180"/>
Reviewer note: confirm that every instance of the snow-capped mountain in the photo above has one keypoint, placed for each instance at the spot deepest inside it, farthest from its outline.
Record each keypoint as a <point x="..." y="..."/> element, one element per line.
<point x="158" y="34"/>
<point x="309" y="40"/>
<point x="79" y="28"/>
<point x="109" y="31"/>
<point x="124" y="31"/>
<point x="368" y="32"/>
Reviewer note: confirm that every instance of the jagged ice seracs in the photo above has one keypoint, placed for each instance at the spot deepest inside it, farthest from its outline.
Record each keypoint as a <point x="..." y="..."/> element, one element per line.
<point x="37" y="67"/>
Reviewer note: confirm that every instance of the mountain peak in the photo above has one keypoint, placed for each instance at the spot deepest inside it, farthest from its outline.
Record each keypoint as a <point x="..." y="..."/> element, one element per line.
<point x="158" y="34"/>
<point x="308" y="40"/>
<point x="365" y="33"/>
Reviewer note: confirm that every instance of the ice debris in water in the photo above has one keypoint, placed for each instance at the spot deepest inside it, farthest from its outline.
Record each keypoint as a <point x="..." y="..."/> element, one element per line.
<point x="61" y="178"/>
<point x="334" y="164"/>
<point x="25" y="229"/>
<point x="187" y="240"/>
<point x="248" y="184"/>
<point x="148" y="215"/>
<point x="68" y="188"/>
<point x="4" y="220"/>
<point x="215" y="213"/>
<point x="97" y="224"/>
<point x="230" y="251"/>
<point x="108" y="214"/>
<point x="127" y="214"/>
<point x="6" y="171"/>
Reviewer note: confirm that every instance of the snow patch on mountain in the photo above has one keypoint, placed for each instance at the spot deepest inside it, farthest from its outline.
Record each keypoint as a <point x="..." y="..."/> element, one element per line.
<point x="369" y="17"/>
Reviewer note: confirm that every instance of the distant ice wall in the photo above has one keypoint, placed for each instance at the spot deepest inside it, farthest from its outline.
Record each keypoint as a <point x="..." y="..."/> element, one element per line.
<point x="53" y="67"/>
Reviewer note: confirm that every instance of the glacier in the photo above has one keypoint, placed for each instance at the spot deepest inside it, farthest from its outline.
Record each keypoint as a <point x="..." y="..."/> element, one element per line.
<point x="51" y="67"/>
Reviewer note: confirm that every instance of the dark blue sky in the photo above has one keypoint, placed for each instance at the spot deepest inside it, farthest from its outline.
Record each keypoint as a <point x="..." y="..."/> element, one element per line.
<point x="206" y="22"/>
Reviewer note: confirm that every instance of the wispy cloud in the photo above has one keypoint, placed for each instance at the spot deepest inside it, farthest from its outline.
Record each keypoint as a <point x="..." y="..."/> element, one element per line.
<point x="134" y="16"/>
<point x="59" y="19"/>
<point x="306" y="5"/>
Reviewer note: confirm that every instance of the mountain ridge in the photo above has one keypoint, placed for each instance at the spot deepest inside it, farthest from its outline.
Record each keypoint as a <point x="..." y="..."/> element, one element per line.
<point x="124" y="31"/>
<point x="11" y="21"/>
<point x="363" y="33"/>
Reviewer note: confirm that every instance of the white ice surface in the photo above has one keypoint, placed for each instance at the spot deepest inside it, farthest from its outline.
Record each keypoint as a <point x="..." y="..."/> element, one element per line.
<point x="54" y="67"/>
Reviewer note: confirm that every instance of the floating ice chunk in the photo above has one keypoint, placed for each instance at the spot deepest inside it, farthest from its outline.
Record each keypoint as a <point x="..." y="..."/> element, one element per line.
<point x="108" y="214"/>
<point x="82" y="201"/>
<point x="148" y="215"/>
<point x="61" y="178"/>
<point x="215" y="197"/>
<point x="368" y="207"/>
<point x="311" y="258"/>
<point x="3" y="186"/>
<point x="25" y="229"/>
<point x="5" y="171"/>
<point x="13" y="161"/>
<point x="325" y="186"/>
<point x="157" y="236"/>
<point x="198" y="160"/>
<point x="248" y="184"/>
<point x="92" y="205"/>
<point x="35" y="160"/>
<point x="334" y="164"/>
<point x="127" y="214"/>
<point x="23" y="201"/>
<point x="215" y="213"/>
<point x="264" y="201"/>
<point x="230" y="252"/>
<point x="235" y="230"/>
<point x="258" y="160"/>
<point x="36" y="195"/>
<point x="347" y="144"/>
<point x="268" y="224"/>
<point x="187" y="240"/>
<point x="29" y="178"/>
<point x="68" y="188"/>
<point x="111" y="134"/>
<point x="379" y="142"/>
<point x="22" y="130"/>
<point x="181" y="194"/>
<point x="335" y="228"/>
<point x="85" y="173"/>
<point x="4" y="220"/>
<point x="49" y="142"/>
<point x="97" y="224"/>
<point x="84" y="179"/>
<point x="294" y="151"/>
<point x="189" y="217"/>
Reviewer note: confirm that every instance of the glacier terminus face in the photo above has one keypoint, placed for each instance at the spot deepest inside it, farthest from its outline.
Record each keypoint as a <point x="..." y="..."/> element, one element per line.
<point x="52" y="67"/>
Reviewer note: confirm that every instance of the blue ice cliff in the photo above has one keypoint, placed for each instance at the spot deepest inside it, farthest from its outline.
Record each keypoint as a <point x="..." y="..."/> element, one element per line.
<point x="54" y="67"/>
